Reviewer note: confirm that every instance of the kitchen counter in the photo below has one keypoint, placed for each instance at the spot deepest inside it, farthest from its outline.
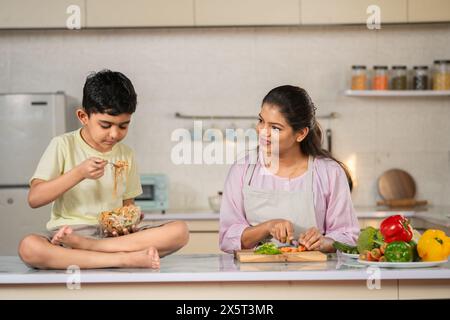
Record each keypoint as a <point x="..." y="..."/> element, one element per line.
<point x="435" y="215"/>
<point x="221" y="277"/>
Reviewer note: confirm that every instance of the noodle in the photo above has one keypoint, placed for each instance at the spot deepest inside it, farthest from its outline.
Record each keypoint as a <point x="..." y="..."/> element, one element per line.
<point x="119" y="170"/>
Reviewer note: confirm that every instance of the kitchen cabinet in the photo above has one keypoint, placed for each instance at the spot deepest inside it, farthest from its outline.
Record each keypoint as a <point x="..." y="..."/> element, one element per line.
<point x="21" y="14"/>
<point x="203" y="236"/>
<point x="24" y="14"/>
<point x="246" y="12"/>
<point x="428" y="10"/>
<point x="201" y="243"/>
<point x="18" y="219"/>
<point x="351" y="11"/>
<point x="139" y="13"/>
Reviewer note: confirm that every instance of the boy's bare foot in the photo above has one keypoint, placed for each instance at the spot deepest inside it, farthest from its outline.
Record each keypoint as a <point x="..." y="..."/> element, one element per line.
<point x="62" y="233"/>
<point x="67" y="237"/>
<point x="148" y="258"/>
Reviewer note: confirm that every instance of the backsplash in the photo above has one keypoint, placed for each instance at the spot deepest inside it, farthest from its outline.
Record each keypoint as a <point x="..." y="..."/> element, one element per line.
<point x="227" y="71"/>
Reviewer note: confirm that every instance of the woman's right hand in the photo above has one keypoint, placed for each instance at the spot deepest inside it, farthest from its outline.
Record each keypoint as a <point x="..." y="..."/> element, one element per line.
<point x="281" y="229"/>
<point x="92" y="168"/>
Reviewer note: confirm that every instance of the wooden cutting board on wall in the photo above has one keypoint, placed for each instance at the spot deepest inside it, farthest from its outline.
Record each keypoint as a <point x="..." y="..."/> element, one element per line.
<point x="305" y="256"/>
<point x="396" y="184"/>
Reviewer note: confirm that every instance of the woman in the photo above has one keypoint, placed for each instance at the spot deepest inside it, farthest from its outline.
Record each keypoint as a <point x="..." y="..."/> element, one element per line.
<point x="304" y="197"/>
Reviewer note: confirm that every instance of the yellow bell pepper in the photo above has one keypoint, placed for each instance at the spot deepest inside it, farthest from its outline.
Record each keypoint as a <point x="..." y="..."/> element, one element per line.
<point x="433" y="245"/>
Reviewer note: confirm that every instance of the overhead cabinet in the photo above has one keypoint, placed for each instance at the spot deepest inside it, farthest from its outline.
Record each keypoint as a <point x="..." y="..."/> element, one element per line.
<point x="28" y="14"/>
<point x="351" y="11"/>
<point x="246" y="12"/>
<point x="139" y="13"/>
<point x="428" y="10"/>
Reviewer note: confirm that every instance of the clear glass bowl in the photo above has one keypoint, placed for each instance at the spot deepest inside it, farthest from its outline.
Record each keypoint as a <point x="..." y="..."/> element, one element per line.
<point x="119" y="218"/>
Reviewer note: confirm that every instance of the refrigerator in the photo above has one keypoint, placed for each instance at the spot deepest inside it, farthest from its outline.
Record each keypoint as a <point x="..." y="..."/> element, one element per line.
<point x="27" y="124"/>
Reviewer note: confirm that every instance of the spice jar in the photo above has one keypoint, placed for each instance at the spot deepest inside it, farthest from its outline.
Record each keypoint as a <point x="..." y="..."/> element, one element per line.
<point x="380" y="78"/>
<point x="359" y="78"/>
<point x="398" y="78"/>
<point x="420" y="78"/>
<point x="441" y="75"/>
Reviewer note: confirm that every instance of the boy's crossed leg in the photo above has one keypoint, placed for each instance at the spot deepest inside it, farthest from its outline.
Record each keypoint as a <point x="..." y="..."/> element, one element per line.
<point x="38" y="252"/>
<point x="167" y="239"/>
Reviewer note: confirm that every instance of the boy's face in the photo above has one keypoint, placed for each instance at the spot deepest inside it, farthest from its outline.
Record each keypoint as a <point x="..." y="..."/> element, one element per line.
<point x="102" y="131"/>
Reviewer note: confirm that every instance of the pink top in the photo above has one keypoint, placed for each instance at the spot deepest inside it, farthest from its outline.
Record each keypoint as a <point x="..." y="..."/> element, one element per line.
<point x="333" y="205"/>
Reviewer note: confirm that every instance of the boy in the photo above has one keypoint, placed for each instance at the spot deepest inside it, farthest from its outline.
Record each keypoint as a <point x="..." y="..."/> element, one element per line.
<point x="75" y="173"/>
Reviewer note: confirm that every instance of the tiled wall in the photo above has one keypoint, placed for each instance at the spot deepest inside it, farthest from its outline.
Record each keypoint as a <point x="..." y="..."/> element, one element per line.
<point x="228" y="71"/>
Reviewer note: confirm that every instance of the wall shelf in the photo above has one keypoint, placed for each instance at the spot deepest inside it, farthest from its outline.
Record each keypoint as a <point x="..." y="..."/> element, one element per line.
<point x="397" y="93"/>
<point x="332" y="115"/>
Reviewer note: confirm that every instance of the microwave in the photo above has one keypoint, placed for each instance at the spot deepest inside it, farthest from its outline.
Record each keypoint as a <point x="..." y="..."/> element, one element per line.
<point x="155" y="196"/>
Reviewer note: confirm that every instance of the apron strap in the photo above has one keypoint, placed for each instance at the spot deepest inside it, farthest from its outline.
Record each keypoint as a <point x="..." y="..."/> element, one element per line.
<point x="310" y="178"/>
<point x="249" y="174"/>
<point x="251" y="168"/>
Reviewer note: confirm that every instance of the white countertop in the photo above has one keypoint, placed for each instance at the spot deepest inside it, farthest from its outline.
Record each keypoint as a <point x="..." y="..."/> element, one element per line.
<point x="215" y="268"/>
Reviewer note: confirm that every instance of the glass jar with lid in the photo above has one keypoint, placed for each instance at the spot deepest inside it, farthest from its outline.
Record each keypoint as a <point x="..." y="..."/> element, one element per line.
<point x="359" y="77"/>
<point x="380" y="78"/>
<point x="420" y="78"/>
<point x="398" y="78"/>
<point x="441" y="75"/>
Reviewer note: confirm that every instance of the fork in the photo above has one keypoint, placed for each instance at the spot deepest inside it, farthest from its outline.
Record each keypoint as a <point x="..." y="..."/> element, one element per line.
<point x="112" y="163"/>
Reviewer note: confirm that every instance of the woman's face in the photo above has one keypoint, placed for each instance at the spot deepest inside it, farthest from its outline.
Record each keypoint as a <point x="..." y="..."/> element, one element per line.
<point x="272" y="128"/>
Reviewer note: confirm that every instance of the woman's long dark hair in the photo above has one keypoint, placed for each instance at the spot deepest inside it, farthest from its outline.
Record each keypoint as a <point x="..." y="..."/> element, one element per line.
<point x="297" y="107"/>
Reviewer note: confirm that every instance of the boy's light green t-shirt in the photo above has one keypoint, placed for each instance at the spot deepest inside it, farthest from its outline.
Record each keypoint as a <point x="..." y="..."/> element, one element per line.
<point x="83" y="203"/>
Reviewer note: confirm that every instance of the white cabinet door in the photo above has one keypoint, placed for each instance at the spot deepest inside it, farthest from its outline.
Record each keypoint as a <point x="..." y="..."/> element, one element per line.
<point x="139" y="13"/>
<point x="428" y="10"/>
<point x="202" y="243"/>
<point x="246" y="12"/>
<point x="18" y="14"/>
<point x="351" y="11"/>
<point x="203" y="237"/>
<point x="17" y="219"/>
<point x="30" y="121"/>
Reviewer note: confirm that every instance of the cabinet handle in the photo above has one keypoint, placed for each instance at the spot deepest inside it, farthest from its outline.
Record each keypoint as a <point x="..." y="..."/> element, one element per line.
<point x="10" y="201"/>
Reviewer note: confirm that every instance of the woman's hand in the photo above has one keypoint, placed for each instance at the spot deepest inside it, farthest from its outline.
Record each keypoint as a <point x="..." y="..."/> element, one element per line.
<point x="312" y="239"/>
<point x="92" y="168"/>
<point x="282" y="230"/>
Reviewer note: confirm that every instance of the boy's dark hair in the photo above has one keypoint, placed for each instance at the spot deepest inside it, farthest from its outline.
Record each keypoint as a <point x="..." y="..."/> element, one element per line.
<point x="108" y="92"/>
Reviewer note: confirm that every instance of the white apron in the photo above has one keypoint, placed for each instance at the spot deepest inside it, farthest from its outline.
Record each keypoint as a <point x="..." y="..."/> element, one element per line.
<point x="296" y="206"/>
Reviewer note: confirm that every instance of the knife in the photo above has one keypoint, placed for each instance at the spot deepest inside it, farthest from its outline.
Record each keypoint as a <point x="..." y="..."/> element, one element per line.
<point x="291" y="243"/>
<point x="295" y="243"/>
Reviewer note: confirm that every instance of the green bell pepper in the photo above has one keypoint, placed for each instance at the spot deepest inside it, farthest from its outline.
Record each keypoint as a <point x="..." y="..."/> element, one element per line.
<point x="399" y="251"/>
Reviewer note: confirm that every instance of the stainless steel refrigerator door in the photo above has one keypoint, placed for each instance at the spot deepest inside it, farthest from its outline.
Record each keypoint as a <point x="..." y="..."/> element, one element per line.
<point x="18" y="219"/>
<point x="27" y="124"/>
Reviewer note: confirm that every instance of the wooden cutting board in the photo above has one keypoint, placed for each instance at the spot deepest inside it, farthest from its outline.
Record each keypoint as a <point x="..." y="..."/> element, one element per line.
<point x="305" y="256"/>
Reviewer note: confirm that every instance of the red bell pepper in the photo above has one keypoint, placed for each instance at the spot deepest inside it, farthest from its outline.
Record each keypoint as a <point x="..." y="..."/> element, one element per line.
<point x="396" y="228"/>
